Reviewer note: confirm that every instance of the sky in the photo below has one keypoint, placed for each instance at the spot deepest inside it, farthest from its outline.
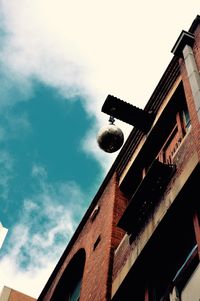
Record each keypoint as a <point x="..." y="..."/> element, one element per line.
<point x="59" y="59"/>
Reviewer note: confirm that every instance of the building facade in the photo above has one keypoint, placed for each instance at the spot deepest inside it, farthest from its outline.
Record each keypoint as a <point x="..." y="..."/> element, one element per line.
<point x="3" y="233"/>
<point x="9" y="294"/>
<point x="140" y="237"/>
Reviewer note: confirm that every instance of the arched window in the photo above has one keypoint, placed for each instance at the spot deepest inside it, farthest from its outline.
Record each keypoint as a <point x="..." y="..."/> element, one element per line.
<point x="69" y="286"/>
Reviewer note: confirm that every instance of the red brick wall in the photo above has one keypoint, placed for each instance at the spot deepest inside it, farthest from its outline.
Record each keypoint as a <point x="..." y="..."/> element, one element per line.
<point x="188" y="92"/>
<point x="196" y="47"/>
<point x="117" y="233"/>
<point x="120" y="205"/>
<point x="96" y="283"/>
<point x="17" y="296"/>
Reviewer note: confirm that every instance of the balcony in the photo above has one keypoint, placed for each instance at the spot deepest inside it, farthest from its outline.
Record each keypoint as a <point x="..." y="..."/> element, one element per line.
<point x="146" y="197"/>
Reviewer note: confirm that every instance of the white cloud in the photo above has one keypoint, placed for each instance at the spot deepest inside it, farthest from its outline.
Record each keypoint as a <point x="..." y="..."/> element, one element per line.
<point x="91" y="48"/>
<point x="39" y="171"/>
<point x="14" y="87"/>
<point x="36" y="242"/>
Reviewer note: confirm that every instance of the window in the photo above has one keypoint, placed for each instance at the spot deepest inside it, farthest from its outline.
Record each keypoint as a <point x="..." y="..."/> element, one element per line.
<point x="186" y="118"/>
<point x="74" y="294"/>
<point x="175" y="276"/>
<point x="69" y="285"/>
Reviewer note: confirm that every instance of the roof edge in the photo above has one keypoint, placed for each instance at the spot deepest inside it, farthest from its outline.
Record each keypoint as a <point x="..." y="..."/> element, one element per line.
<point x="195" y="23"/>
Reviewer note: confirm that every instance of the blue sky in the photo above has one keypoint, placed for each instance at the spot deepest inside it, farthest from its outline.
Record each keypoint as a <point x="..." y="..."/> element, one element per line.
<point x="44" y="168"/>
<point x="45" y="131"/>
<point x="58" y="61"/>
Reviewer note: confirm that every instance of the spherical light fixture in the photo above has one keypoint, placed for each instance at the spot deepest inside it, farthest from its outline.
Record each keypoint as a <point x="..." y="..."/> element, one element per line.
<point x="110" y="138"/>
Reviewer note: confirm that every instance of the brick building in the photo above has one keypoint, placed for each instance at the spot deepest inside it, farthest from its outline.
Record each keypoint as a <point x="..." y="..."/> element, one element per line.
<point x="140" y="237"/>
<point x="9" y="294"/>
